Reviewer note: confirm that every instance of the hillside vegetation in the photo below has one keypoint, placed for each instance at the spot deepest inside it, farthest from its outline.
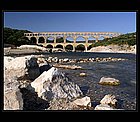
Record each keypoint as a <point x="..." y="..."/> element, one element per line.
<point x="125" y="39"/>
<point x="15" y="36"/>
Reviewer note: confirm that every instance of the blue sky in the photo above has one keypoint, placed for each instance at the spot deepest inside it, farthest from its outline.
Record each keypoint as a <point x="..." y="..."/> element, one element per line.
<point x="122" y="22"/>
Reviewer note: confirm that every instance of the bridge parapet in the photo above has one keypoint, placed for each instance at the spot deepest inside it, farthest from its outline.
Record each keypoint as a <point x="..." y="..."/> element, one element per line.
<point x="71" y="33"/>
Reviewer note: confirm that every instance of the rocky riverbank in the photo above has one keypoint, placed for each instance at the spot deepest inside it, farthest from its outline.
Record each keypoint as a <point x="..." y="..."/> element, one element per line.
<point x="34" y="49"/>
<point x="37" y="83"/>
<point x="31" y="83"/>
<point x="25" y="51"/>
<point x="114" y="49"/>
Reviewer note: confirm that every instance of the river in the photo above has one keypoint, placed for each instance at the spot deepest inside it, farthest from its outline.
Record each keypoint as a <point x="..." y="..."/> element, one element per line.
<point x="124" y="71"/>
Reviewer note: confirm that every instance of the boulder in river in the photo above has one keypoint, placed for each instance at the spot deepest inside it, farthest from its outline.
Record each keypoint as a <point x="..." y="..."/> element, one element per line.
<point x="82" y="74"/>
<point x="107" y="103"/>
<point x="85" y="102"/>
<point x="109" y="99"/>
<point x="53" y="84"/>
<point x="65" y="104"/>
<point x="103" y="107"/>
<point x="109" y="81"/>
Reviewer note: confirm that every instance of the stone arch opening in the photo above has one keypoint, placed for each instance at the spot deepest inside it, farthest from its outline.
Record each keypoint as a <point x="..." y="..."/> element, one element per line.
<point x="69" y="39"/>
<point x="49" y="46"/>
<point x="59" y="39"/>
<point x="50" y="39"/>
<point x="80" y="47"/>
<point x="101" y="38"/>
<point x="80" y="39"/>
<point x="33" y="40"/>
<point x="69" y="47"/>
<point x="91" y="39"/>
<point x="41" y="40"/>
<point x="59" y="46"/>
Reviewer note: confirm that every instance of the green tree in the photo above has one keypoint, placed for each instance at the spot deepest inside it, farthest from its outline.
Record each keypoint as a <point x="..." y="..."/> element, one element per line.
<point x="14" y="36"/>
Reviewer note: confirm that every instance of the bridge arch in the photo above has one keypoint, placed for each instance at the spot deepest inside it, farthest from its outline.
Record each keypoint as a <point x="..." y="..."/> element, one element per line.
<point x="49" y="46"/>
<point x="69" y="39"/>
<point x="69" y="47"/>
<point x="91" y="39"/>
<point x="101" y="38"/>
<point x="59" y="39"/>
<point x="25" y="40"/>
<point x="59" y="46"/>
<point x="50" y="39"/>
<point x="41" y="40"/>
<point x="80" y="39"/>
<point x="80" y="47"/>
<point x="33" y="40"/>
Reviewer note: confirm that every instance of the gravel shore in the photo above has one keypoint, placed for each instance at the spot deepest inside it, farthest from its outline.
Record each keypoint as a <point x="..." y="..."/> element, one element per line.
<point x="8" y="51"/>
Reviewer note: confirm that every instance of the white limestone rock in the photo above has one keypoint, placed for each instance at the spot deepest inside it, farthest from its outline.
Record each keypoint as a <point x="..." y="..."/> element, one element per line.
<point x="82" y="74"/>
<point x="22" y="62"/>
<point x="7" y="59"/>
<point x="32" y="47"/>
<point x="53" y="84"/>
<point x="109" y="81"/>
<point x="65" y="60"/>
<point x="13" y="100"/>
<point x="103" y="107"/>
<point x="63" y="104"/>
<point x="109" y="99"/>
<point x="27" y="65"/>
<point x="85" y="101"/>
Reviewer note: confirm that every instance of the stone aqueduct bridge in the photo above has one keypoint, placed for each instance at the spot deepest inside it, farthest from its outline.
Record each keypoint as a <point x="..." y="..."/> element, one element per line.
<point x="65" y="35"/>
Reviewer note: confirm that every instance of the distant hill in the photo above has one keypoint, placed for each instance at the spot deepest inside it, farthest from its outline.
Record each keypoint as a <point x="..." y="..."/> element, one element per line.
<point x="14" y="36"/>
<point x="128" y="39"/>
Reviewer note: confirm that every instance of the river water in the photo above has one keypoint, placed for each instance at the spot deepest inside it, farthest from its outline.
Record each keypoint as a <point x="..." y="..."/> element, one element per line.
<point x="124" y="71"/>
